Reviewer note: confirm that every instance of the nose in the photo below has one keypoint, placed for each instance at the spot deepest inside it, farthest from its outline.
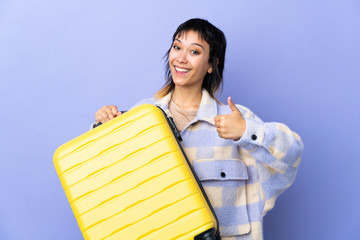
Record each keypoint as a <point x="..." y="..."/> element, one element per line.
<point x="182" y="57"/>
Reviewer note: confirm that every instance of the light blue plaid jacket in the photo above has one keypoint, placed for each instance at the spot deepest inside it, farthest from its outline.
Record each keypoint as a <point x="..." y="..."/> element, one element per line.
<point x="241" y="178"/>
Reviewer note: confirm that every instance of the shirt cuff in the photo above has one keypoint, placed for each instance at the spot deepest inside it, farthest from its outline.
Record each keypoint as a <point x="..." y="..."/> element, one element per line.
<point x="253" y="136"/>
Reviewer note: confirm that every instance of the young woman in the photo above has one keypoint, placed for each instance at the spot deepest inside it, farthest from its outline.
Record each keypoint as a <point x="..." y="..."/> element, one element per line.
<point x="244" y="164"/>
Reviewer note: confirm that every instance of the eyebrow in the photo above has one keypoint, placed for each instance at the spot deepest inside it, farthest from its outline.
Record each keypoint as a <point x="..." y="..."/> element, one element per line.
<point x="197" y="44"/>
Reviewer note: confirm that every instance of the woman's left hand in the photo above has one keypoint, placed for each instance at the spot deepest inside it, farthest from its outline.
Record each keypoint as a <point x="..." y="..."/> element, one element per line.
<point x="230" y="126"/>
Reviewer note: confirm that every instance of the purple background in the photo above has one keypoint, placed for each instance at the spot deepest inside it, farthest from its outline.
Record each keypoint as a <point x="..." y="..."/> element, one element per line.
<point x="296" y="62"/>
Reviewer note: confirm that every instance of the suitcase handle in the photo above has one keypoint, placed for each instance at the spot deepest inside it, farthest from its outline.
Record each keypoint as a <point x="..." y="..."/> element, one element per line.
<point x="99" y="123"/>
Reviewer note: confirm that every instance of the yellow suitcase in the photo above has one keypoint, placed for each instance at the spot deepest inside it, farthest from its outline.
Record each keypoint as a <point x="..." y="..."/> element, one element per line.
<point x="130" y="179"/>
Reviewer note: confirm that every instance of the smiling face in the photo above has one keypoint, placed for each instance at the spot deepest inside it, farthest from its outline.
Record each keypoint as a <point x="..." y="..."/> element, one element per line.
<point x="189" y="60"/>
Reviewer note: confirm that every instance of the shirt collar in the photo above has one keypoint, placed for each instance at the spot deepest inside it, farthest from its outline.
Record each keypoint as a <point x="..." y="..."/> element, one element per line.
<point x="207" y="109"/>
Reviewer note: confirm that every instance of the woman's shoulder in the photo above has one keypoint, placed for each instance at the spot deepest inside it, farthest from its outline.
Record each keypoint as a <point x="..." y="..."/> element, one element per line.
<point x="145" y="101"/>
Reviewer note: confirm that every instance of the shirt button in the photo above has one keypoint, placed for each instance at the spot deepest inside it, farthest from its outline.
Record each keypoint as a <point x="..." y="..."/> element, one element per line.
<point x="253" y="137"/>
<point x="223" y="174"/>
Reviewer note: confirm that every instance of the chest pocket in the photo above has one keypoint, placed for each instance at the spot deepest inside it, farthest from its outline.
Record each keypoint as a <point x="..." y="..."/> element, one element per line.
<point x="224" y="183"/>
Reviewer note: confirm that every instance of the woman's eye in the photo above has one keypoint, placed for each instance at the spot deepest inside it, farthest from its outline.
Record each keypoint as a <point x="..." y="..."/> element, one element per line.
<point x="195" y="52"/>
<point x="176" y="47"/>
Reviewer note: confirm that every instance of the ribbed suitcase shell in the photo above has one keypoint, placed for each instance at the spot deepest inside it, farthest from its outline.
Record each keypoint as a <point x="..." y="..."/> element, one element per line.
<point x="129" y="179"/>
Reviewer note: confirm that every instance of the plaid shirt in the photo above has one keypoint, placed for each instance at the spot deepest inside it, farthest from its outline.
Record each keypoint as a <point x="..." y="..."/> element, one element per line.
<point x="242" y="178"/>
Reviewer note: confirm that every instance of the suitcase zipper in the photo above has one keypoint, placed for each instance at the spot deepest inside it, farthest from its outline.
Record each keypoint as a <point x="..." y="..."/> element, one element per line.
<point x="178" y="139"/>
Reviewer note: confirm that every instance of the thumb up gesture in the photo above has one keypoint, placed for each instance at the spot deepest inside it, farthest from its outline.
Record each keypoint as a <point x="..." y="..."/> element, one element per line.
<point x="230" y="126"/>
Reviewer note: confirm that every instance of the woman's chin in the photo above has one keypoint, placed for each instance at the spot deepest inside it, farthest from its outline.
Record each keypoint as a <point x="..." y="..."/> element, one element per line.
<point x="180" y="82"/>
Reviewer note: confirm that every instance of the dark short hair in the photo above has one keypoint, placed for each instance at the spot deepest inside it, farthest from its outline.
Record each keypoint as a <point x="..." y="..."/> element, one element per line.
<point x="217" y="42"/>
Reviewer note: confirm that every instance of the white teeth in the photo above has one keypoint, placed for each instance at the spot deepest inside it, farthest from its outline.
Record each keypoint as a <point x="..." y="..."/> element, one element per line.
<point x="181" y="69"/>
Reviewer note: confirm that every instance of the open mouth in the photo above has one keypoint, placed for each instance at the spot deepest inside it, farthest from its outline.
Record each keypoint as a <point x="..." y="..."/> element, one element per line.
<point x="181" y="70"/>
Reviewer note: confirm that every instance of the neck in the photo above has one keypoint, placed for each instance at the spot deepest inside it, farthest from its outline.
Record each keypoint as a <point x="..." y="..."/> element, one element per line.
<point x="187" y="98"/>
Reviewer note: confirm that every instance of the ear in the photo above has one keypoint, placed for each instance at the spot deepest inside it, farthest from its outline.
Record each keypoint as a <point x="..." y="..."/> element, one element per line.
<point x="210" y="70"/>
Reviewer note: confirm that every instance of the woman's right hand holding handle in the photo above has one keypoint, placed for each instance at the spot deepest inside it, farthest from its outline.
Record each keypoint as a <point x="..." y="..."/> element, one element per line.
<point x="106" y="113"/>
